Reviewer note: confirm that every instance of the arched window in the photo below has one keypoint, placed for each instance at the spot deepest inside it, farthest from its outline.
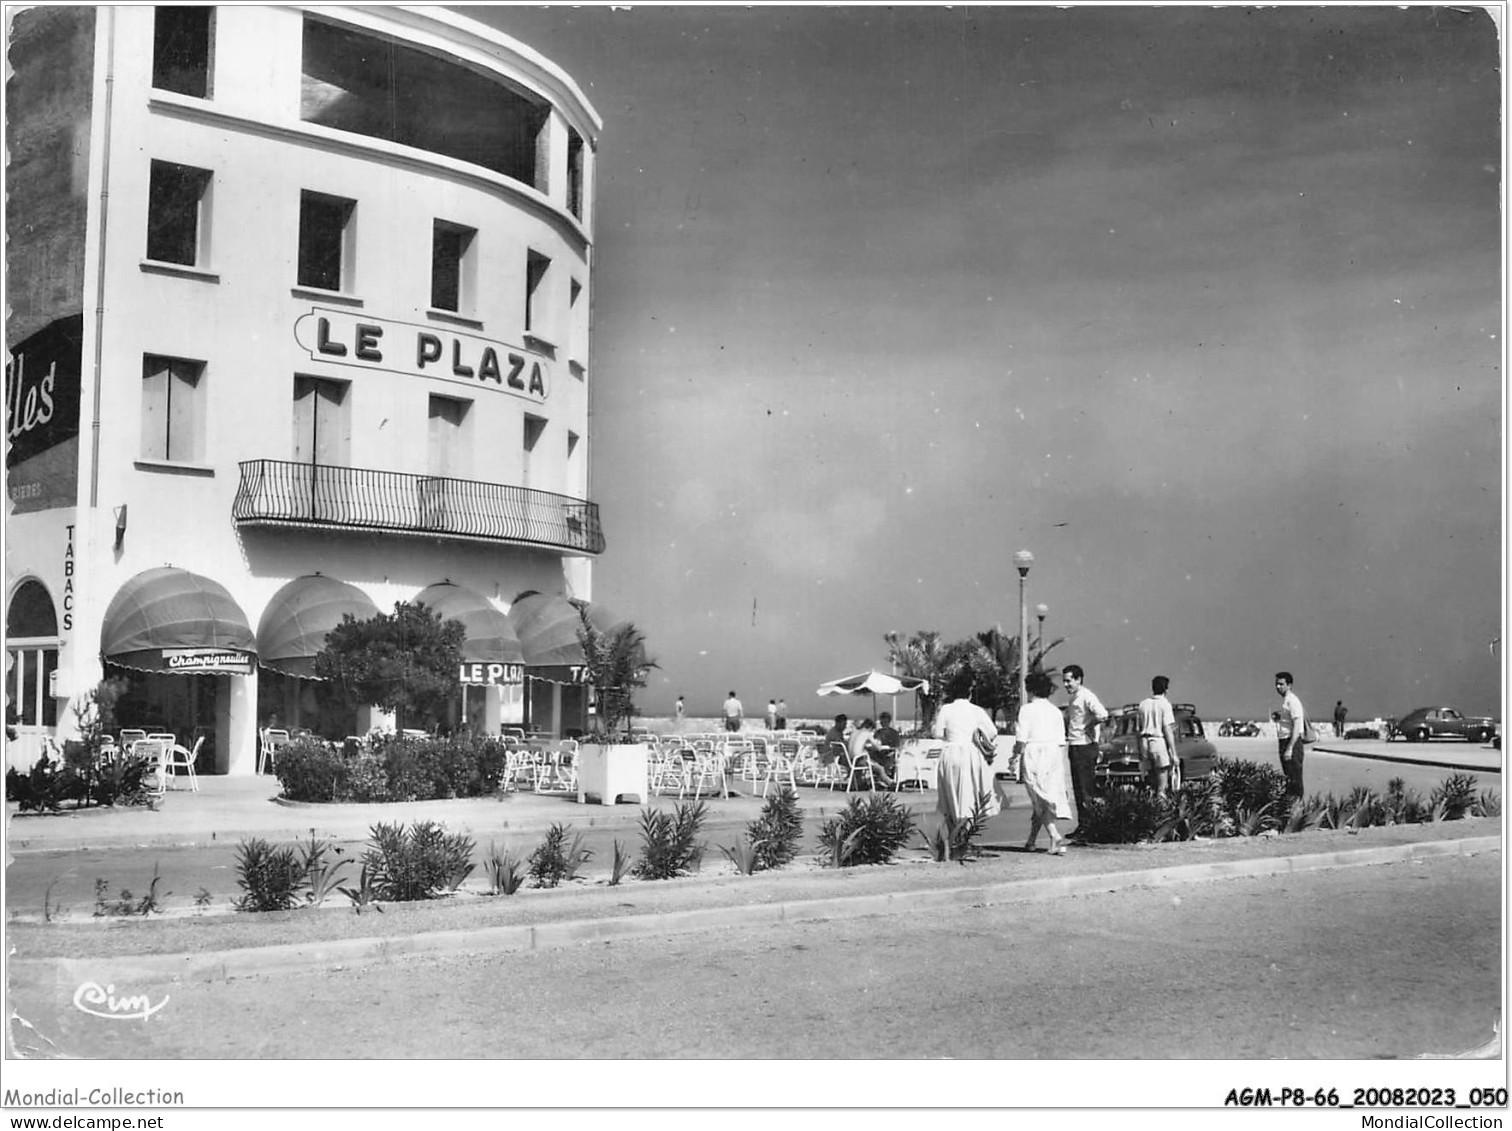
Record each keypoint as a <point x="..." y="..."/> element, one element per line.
<point x="31" y="656"/>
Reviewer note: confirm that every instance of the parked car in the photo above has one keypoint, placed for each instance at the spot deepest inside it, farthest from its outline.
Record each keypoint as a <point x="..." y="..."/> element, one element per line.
<point x="1118" y="755"/>
<point x="1427" y="723"/>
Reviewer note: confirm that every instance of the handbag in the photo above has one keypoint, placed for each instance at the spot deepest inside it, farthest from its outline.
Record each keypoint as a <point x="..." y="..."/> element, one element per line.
<point x="986" y="746"/>
<point x="1309" y="734"/>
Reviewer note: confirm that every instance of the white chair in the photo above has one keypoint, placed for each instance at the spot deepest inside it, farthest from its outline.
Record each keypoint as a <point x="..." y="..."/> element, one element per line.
<point x="709" y="767"/>
<point x="860" y="764"/>
<point x="181" y="758"/>
<point x="271" y="741"/>
<point x="781" y="764"/>
<point x="155" y="752"/>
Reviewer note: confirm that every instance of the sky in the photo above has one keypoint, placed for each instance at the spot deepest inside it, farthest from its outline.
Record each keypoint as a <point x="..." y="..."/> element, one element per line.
<point x="1201" y="306"/>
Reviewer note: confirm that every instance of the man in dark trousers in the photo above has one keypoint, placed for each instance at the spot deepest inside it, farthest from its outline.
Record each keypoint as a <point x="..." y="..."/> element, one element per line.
<point x="1085" y="714"/>
<point x="1341" y="716"/>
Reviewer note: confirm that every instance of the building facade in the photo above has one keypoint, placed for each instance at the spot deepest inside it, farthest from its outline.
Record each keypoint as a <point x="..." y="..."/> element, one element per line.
<point x="298" y="327"/>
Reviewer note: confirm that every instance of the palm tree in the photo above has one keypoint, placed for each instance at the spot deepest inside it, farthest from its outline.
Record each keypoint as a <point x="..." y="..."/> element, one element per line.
<point x="924" y="657"/>
<point x="994" y="659"/>
<point x="617" y="664"/>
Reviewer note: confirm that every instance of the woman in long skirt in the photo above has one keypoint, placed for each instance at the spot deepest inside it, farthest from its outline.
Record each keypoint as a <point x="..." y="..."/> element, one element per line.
<point x="965" y="779"/>
<point x="1042" y="738"/>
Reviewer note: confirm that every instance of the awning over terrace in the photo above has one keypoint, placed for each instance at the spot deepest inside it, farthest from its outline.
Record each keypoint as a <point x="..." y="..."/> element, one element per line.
<point x="491" y="650"/>
<point x="548" y="630"/>
<point x="294" y="625"/>
<point x="170" y="620"/>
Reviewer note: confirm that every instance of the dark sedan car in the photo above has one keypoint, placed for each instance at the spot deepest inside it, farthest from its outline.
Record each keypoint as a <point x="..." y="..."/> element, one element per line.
<point x="1118" y="755"/>
<point x="1443" y="722"/>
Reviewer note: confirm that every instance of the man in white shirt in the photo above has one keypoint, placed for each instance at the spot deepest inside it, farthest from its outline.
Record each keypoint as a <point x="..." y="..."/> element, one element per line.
<point x="733" y="713"/>
<point x="1290" y="726"/>
<point x="1085" y="714"/>
<point x="1157" y="734"/>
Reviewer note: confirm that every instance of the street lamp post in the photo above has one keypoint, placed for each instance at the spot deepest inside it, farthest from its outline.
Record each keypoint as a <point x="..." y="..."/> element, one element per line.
<point x="1042" y="611"/>
<point x="1023" y="560"/>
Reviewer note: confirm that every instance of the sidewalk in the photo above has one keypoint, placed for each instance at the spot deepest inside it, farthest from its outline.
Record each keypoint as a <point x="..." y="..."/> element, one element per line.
<point x="1446" y="755"/>
<point x="228" y="808"/>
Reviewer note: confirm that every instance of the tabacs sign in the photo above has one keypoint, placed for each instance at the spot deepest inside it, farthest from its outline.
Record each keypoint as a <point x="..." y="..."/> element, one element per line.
<point x="340" y="338"/>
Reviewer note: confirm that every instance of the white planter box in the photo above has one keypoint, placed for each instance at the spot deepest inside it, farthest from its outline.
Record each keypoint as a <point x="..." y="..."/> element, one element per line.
<point x="608" y="773"/>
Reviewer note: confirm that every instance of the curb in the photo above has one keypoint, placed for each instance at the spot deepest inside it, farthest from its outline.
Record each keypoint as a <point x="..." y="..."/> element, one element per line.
<point x="1370" y="757"/>
<point x="338" y="954"/>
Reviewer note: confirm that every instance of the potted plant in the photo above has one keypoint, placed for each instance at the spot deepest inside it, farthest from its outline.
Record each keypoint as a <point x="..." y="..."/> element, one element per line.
<point x="615" y="663"/>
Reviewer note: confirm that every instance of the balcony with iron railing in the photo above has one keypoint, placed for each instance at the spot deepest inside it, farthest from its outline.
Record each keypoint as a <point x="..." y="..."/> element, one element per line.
<point x="284" y="493"/>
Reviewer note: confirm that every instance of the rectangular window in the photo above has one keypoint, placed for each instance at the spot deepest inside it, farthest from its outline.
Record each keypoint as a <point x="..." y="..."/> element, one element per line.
<point x="322" y="426"/>
<point x="176" y="213"/>
<point x="534" y="426"/>
<point x="359" y="82"/>
<point x="448" y="437"/>
<point x="27" y="685"/>
<point x="536" y="268"/>
<point x="182" y="46"/>
<point x="173" y="409"/>
<point x="575" y="173"/>
<point x="325" y="240"/>
<point x="452" y="266"/>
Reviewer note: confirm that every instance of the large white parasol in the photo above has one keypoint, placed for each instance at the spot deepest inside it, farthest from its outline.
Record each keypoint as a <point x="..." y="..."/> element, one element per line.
<point x="874" y="683"/>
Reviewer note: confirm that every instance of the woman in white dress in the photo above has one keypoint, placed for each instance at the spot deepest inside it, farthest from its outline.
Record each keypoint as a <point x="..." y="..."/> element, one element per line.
<point x="964" y="776"/>
<point x="1041" y="736"/>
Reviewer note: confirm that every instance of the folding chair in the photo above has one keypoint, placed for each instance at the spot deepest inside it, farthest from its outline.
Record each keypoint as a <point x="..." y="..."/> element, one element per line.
<point x="180" y="758"/>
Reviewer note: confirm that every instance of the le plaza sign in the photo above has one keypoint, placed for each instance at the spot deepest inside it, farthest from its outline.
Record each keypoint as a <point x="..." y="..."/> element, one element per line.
<point x="342" y="338"/>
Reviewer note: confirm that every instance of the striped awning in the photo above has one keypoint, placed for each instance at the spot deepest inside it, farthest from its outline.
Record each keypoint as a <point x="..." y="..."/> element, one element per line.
<point x="170" y="620"/>
<point x="548" y="629"/>
<point x="491" y="651"/>
<point x="293" y="628"/>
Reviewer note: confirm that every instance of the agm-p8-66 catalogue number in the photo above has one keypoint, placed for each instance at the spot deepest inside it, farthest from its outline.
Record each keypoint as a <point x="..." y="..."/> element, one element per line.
<point x="1365" y="1097"/>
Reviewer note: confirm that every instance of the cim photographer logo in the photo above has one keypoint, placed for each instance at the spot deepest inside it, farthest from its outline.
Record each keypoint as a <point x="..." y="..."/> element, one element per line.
<point x="98" y="1001"/>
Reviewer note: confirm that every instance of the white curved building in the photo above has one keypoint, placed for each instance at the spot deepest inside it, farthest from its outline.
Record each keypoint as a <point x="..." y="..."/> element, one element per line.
<point x="298" y="325"/>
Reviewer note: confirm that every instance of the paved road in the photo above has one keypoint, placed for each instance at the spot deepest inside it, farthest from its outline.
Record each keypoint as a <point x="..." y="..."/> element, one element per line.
<point x="1321" y="964"/>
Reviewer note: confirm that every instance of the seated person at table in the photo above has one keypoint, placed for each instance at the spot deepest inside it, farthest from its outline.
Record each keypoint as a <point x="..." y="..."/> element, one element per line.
<point x="888" y="743"/>
<point x="835" y="733"/>
<point x="863" y="741"/>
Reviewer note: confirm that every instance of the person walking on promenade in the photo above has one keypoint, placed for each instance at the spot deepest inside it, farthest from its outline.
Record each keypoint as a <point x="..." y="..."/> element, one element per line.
<point x="771" y="714"/>
<point x="1157" y="735"/>
<point x="678" y="709"/>
<point x="1041" y="737"/>
<point x="1291" y="725"/>
<point x="733" y="713"/>
<point x="782" y="714"/>
<point x="1341" y="716"/>
<point x="965" y="778"/>
<point x="1085" y="714"/>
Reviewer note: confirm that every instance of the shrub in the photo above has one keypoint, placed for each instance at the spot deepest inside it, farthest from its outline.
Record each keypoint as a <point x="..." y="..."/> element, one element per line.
<point x="1197" y="810"/>
<point x="774" y="835"/>
<point x="320" y="875"/>
<point x="270" y="878"/>
<point x="951" y="840"/>
<point x="743" y="855"/>
<point x="1248" y="787"/>
<point x="1488" y="804"/>
<point x="1126" y="815"/>
<point x="620" y="865"/>
<point x="875" y="828"/>
<point x="503" y="872"/>
<point x="669" y="841"/>
<point x="555" y="859"/>
<point x="1457" y="793"/>
<point x="416" y="863"/>
<point x="309" y="770"/>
